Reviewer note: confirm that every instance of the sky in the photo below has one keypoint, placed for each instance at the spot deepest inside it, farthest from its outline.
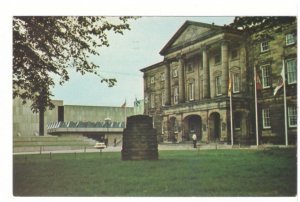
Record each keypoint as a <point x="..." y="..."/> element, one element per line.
<point x="123" y="59"/>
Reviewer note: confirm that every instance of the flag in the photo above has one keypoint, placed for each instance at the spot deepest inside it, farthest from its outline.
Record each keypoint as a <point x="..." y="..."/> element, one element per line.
<point x="229" y="86"/>
<point x="280" y="81"/>
<point x="124" y="105"/>
<point x="258" y="82"/>
<point x="136" y="102"/>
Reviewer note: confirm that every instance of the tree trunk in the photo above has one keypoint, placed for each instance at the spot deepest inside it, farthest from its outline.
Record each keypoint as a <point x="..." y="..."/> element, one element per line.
<point x="41" y="122"/>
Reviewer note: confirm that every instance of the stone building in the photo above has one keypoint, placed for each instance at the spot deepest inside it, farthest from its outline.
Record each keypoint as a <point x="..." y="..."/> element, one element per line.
<point x="187" y="93"/>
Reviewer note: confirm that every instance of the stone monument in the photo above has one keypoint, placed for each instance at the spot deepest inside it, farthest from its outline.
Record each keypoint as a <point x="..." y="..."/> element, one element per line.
<point x="139" y="139"/>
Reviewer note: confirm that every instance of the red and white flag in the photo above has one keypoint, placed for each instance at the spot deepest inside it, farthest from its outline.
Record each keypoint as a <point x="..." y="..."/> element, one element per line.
<point x="280" y="81"/>
<point x="258" y="82"/>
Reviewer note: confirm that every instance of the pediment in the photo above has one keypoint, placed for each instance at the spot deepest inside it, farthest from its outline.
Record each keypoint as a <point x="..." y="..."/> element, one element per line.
<point x="190" y="31"/>
<point x="189" y="34"/>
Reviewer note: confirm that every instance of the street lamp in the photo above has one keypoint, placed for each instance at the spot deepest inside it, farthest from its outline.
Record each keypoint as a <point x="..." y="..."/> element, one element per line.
<point x="107" y="124"/>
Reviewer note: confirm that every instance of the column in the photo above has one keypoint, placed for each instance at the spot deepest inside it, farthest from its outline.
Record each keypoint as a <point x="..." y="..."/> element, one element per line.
<point x="225" y="75"/>
<point x="181" y="84"/>
<point x="167" y="84"/>
<point x="205" y="74"/>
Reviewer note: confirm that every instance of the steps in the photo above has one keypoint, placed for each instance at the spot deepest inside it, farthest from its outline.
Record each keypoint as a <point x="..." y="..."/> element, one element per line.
<point x="51" y="143"/>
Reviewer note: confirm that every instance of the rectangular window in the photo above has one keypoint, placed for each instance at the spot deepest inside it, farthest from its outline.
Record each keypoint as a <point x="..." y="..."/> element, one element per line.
<point x="234" y="54"/>
<point x="175" y="73"/>
<point x="291" y="71"/>
<point x="201" y="89"/>
<point x="162" y="77"/>
<point x="191" y="90"/>
<point x="237" y="120"/>
<point x="266" y="76"/>
<point x="292" y="116"/>
<point x="152" y="100"/>
<point x="218" y="85"/>
<point x="176" y="95"/>
<point x="190" y="67"/>
<point x="266" y="118"/>
<point x="290" y="39"/>
<point x="152" y="80"/>
<point x="217" y="59"/>
<point x="163" y="94"/>
<point x="236" y="82"/>
<point x="264" y="46"/>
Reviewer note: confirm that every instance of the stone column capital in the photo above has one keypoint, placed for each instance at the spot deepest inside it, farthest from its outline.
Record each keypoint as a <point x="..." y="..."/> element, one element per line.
<point x="205" y="47"/>
<point x="224" y="42"/>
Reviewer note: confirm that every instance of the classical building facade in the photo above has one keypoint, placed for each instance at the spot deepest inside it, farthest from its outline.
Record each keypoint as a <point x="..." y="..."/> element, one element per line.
<point x="187" y="93"/>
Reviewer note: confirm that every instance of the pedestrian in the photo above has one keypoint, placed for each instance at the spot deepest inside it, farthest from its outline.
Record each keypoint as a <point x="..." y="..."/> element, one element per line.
<point x="194" y="137"/>
<point x="115" y="142"/>
<point x="106" y="141"/>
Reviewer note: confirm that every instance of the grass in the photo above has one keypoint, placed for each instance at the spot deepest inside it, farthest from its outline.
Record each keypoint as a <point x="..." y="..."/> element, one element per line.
<point x="176" y="173"/>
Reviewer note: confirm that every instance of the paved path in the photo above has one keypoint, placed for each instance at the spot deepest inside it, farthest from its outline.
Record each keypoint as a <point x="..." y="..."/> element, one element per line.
<point x="161" y="147"/>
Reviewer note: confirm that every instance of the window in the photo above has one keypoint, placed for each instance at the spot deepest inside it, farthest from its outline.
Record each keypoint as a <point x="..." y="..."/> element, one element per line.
<point x="152" y="100"/>
<point x="175" y="73"/>
<point x="190" y="67"/>
<point x="291" y="71"/>
<point x="292" y="116"/>
<point x="163" y="94"/>
<point x="201" y="89"/>
<point x="236" y="82"/>
<point x="266" y="79"/>
<point x="217" y="59"/>
<point x="218" y="85"/>
<point x="234" y="54"/>
<point x="176" y="95"/>
<point x="191" y="90"/>
<point x="264" y="46"/>
<point x="152" y="80"/>
<point x="162" y="77"/>
<point x="266" y="118"/>
<point x="237" y="120"/>
<point x="290" y="39"/>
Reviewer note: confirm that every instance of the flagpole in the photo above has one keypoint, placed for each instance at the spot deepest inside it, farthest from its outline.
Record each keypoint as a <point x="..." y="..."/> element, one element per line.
<point x="230" y="100"/>
<point x="284" y="100"/>
<point x="255" y="97"/>
<point x="125" y="114"/>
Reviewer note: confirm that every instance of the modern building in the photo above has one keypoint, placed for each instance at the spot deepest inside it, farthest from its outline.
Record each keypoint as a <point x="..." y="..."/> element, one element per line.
<point x="70" y="119"/>
<point x="187" y="93"/>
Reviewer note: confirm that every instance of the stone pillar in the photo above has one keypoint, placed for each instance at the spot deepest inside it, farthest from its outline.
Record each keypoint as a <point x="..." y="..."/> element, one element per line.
<point x="225" y="75"/>
<point x="167" y="85"/>
<point x="181" y="83"/>
<point x="205" y="74"/>
<point x="139" y="139"/>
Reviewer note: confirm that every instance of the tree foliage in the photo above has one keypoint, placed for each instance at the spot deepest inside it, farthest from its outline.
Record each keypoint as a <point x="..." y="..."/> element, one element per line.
<point x="47" y="46"/>
<point x="262" y="26"/>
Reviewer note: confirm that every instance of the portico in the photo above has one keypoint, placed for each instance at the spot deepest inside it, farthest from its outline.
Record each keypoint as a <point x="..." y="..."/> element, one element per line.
<point x="197" y="62"/>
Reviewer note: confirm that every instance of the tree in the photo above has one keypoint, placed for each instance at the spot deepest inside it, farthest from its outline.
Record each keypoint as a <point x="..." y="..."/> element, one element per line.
<point x="262" y="26"/>
<point x="47" y="46"/>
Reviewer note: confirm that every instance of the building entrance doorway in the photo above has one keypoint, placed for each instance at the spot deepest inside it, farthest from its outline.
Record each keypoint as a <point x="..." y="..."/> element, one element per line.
<point x="214" y="126"/>
<point x="173" y="129"/>
<point x="192" y="125"/>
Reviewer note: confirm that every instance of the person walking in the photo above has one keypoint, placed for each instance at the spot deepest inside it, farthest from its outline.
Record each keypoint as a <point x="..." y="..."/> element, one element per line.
<point x="194" y="137"/>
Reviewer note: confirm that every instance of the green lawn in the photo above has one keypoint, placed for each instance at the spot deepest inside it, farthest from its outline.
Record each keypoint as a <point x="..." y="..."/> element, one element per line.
<point x="270" y="172"/>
